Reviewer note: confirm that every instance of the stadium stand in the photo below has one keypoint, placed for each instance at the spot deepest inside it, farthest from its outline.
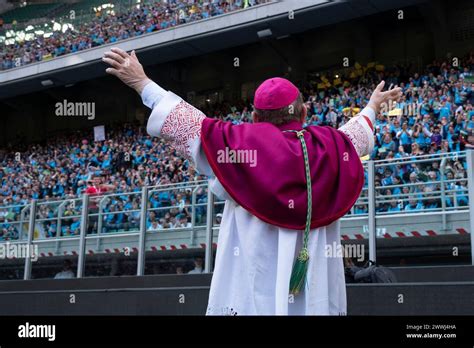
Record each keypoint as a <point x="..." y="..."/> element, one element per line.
<point x="75" y="29"/>
<point x="442" y="121"/>
<point x="420" y="152"/>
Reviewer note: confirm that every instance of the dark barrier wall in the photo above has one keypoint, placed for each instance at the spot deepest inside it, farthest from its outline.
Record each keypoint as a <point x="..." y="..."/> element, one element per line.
<point x="434" y="274"/>
<point x="449" y="298"/>
<point x="187" y="295"/>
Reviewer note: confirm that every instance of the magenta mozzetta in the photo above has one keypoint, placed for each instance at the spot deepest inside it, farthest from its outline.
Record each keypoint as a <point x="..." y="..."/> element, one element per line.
<point x="275" y="190"/>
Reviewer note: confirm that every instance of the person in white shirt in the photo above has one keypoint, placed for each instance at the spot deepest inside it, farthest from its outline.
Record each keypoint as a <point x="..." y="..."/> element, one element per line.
<point x="197" y="266"/>
<point x="66" y="272"/>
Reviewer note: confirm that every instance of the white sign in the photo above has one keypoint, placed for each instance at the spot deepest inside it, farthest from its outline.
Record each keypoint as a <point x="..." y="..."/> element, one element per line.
<point x="99" y="133"/>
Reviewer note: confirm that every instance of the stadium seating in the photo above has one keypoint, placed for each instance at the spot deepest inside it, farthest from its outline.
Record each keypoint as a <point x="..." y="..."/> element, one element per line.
<point x="403" y="184"/>
<point x="45" y="41"/>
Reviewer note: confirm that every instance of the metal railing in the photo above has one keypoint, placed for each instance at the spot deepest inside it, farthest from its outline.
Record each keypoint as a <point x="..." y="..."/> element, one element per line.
<point x="49" y="222"/>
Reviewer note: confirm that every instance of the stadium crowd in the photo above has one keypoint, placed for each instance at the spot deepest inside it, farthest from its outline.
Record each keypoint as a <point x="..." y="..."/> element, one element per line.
<point x="112" y="27"/>
<point x="435" y="116"/>
<point x="68" y="166"/>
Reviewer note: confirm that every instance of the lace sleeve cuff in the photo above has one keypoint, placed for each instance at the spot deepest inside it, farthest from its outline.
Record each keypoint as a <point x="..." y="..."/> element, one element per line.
<point x="360" y="134"/>
<point x="160" y="112"/>
<point x="182" y="126"/>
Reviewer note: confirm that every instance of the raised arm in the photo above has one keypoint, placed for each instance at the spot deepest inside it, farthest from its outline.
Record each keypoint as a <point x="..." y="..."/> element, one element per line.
<point x="176" y="121"/>
<point x="360" y="129"/>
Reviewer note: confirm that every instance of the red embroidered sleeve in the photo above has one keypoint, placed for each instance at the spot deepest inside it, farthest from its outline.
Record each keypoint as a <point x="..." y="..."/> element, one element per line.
<point x="181" y="126"/>
<point x="358" y="135"/>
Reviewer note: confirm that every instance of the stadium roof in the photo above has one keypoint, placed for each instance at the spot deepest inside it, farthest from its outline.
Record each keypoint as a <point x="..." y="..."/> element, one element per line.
<point x="196" y="38"/>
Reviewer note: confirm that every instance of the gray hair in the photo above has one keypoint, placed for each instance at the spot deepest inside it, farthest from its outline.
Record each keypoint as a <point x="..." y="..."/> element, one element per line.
<point x="283" y="115"/>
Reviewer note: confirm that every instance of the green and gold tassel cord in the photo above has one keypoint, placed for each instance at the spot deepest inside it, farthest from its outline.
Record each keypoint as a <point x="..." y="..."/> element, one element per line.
<point x="300" y="267"/>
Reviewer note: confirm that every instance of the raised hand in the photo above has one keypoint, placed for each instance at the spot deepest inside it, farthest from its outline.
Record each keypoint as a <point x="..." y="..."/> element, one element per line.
<point x="127" y="68"/>
<point x="378" y="97"/>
